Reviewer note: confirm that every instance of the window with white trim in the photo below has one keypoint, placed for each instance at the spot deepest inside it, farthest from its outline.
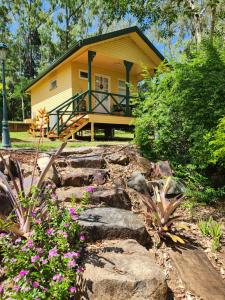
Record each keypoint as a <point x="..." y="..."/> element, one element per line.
<point x="83" y="74"/>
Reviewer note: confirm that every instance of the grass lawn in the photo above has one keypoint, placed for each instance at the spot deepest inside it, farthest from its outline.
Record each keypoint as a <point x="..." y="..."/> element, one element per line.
<point x="26" y="140"/>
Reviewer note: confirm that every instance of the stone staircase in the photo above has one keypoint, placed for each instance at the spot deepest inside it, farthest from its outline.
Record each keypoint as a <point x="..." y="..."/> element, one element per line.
<point x="119" y="267"/>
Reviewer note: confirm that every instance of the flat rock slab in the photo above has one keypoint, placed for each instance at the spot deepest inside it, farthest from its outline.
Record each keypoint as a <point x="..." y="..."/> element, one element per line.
<point x="198" y="274"/>
<point x="118" y="158"/>
<point x="122" y="270"/>
<point x="86" y="176"/>
<point x="110" y="197"/>
<point x="80" y="150"/>
<point x="87" y="162"/>
<point x="112" y="223"/>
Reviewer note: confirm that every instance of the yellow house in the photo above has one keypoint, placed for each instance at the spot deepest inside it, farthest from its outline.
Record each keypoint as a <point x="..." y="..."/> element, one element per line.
<point x="89" y="85"/>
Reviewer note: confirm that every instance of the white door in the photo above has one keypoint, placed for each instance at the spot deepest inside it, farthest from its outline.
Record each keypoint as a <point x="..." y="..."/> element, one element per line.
<point x="102" y="85"/>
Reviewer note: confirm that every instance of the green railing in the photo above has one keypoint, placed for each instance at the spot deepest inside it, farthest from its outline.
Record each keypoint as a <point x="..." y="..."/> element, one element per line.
<point x="104" y="102"/>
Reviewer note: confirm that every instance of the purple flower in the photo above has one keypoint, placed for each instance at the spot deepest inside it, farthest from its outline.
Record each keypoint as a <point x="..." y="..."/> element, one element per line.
<point x="39" y="250"/>
<point x="23" y="273"/>
<point x="72" y="211"/>
<point x="2" y="234"/>
<point x="71" y="254"/>
<point x="54" y="197"/>
<point x="50" y="231"/>
<point x="72" y="289"/>
<point x="13" y="260"/>
<point x="82" y="237"/>
<point x="16" y="288"/>
<point x="75" y="217"/>
<point x="1" y="289"/>
<point x="30" y="244"/>
<point x="72" y="263"/>
<point x="66" y="225"/>
<point x="24" y="248"/>
<point x="90" y="189"/>
<point x="79" y="270"/>
<point x="65" y="234"/>
<point x="44" y="261"/>
<point x="35" y="284"/>
<point x="35" y="258"/>
<point x="33" y="214"/>
<point x="17" y="241"/>
<point x="53" y="252"/>
<point x="57" y="277"/>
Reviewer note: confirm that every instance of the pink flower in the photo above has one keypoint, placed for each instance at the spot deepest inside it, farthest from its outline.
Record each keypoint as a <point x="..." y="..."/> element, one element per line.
<point x="33" y="214"/>
<point x="57" y="277"/>
<point x="50" y="231"/>
<point x="16" y="288"/>
<point x="79" y="270"/>
<point x="65" y="234"/>
<point x="2" y="234"/>
<point x="72" y="289"/>
<point x="23" y="273"/>
<point x="90" y="189"/>
<point x="35" y="258"/>
<point x="71" y="263"/>
<point x="17" y="241"/>
<point x="71" y="254"/>
<point x="39" y="250"/>
<point x="30" y="244"/>
<point x="72" y="211"/>
<point x="53" y="252"/>
<point x="24" y="248"/>
<point x="1" y="289"/>
<point x="82" y="237"/>
<point x="38" y="221"/>
<point x="44" y="261"/>
<point x="66" y="225"/>
<point x="35" y="284"/>
<point x="75" y="217"/>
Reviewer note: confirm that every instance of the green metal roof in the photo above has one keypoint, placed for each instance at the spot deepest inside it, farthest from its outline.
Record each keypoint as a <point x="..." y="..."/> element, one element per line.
<point x="92" y="40"/>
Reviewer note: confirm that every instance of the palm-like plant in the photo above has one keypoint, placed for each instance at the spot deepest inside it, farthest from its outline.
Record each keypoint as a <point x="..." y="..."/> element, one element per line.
<point x="22" y="213"/>
<point x="159" y="212"/>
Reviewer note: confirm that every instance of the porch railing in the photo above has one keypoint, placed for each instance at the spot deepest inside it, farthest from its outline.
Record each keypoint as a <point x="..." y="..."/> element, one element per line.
<point x="63" y="113"/>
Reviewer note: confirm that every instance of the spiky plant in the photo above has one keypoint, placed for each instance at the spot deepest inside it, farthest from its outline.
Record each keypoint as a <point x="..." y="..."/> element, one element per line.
<point x="159" y="212"/>
<point x="21" y="224"/>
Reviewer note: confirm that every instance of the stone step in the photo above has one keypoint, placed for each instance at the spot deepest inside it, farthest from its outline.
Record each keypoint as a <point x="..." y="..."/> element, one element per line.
<point x="119" y="270"/>
<point x="111" y="223"/>
<point x="84" y="176"/>
<point x="116" y="197"/>
<point x="198" y="274"/>
<point x="96" y="162"/>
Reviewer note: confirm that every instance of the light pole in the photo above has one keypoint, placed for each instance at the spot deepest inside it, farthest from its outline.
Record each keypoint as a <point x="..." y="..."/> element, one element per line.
<point x="5" y="126"/>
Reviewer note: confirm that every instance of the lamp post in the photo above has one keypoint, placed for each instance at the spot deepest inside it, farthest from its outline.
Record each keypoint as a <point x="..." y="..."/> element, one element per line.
<point x="5" y="126"/>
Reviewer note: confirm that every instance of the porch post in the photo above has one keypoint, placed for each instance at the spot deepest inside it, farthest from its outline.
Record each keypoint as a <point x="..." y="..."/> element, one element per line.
<point x="128" y="66"/>
<point x="91" y="55"/>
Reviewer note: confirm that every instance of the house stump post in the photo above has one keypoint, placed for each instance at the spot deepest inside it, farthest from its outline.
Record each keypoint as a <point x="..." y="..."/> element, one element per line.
<point x="92" y="132"/>
<point x="91" y="55"/>
<point x="128" y="66"/>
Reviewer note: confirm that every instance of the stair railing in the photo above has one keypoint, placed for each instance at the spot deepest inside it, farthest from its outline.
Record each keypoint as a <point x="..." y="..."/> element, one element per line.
<point x="63" y="110"/>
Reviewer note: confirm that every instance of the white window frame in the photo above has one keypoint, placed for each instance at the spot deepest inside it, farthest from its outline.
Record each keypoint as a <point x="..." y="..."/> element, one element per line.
<point x="82" y="78"/>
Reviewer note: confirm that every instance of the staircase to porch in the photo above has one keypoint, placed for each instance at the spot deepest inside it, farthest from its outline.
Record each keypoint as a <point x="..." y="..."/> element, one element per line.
<point x="71" y="116"/>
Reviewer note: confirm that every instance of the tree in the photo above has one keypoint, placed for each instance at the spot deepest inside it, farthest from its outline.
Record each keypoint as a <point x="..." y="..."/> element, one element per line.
<point x="182" y="107"/>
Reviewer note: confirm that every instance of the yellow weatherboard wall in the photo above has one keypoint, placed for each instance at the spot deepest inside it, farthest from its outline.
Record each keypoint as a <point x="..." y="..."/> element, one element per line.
<point x="110" y="55"/>
<point x="42" y="96"/>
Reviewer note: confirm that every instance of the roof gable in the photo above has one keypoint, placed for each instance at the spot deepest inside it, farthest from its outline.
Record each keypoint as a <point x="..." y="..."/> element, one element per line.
<point x="93" y="40"/>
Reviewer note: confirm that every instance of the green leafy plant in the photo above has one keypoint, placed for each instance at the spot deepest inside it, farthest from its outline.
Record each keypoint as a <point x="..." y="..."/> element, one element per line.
<point x="159" y="213"/>
<point x="212" y="229"/>
<point x="47" y="263"/>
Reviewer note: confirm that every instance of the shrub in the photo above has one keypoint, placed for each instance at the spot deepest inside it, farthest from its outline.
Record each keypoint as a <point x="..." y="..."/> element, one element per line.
<point x="182" y="106"/>
<point x="47" y="263"/>
<point x="217" y="143"/>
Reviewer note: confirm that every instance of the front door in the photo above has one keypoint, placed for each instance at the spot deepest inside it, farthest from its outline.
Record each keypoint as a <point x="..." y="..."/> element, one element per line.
<point x="102" y="85"/>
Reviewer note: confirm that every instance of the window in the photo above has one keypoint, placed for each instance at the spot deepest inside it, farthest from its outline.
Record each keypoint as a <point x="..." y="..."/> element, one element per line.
<point x="122" y="90"/>
<point x="83" y="74"/>
<point x="53" y="84"/>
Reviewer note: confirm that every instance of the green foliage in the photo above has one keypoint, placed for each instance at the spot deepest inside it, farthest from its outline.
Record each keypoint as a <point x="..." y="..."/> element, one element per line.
<point x="212" y="229"/>
<point x="47" y="263"/>
<point x="198" y="188"/>
<point x="217" y="143"/>
<point x="182" y="106"/>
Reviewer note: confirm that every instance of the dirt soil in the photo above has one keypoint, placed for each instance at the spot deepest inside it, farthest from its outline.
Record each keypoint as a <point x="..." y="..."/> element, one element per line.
<point x="118" y="177"/>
